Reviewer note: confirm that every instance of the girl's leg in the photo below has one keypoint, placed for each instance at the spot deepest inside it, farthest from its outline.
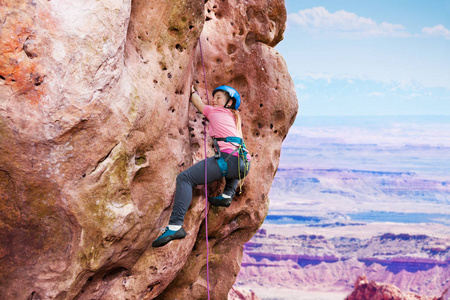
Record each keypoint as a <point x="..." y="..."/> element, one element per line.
<point x="232" y="179"/>
<point x="186" y="180"/>
<point x="230" y="187"/>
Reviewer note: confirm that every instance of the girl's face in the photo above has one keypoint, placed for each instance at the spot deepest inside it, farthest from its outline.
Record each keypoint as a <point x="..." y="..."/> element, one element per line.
<point x="219" y="99"/>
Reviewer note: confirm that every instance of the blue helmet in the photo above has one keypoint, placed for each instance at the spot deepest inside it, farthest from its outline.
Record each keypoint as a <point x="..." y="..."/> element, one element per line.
<point x="233" y="94"/>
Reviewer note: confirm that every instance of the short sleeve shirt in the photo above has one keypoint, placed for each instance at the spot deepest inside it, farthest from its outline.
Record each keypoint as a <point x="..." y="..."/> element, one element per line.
<point x="221" y="124"/>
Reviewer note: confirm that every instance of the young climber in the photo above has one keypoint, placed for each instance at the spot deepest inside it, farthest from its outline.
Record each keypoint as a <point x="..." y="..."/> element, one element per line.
<point x="231" y="160"/>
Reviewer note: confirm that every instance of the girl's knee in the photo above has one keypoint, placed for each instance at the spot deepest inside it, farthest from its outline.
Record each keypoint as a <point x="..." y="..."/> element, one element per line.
<point x="182" y="177"/>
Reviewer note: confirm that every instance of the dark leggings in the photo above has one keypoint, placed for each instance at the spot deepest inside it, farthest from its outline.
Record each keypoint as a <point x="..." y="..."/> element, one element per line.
<point x="195" y="175"/>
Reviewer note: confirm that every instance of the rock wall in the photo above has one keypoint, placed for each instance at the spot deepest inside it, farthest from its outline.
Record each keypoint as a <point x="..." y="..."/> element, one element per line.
<point x="95" y="124"/>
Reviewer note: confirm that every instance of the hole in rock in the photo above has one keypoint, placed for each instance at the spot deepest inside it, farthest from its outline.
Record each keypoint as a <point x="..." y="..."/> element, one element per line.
<point x="271" y="126"/>
<point x="140" y="160"/>
<point x="2" y="78"/>
<point x="155" y="81"/>
<point x="208" y="19"/>
<point x="38" y="80"/>
<point x="34" y="296"/>
<point x="169" y="75"/>
<point x="190" y="26"/>
<point x="179" y="48"/>
<point x="250" y="39"/>
<point x="231" y="49"/>
<point x="151" y="286"/>
<point x="261" y="105"/>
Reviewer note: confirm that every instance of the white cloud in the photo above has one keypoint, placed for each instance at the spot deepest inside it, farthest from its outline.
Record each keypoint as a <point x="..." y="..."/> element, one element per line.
<point x="406" y="85"/>
<point x="376" y="94"/>
<point x="300" y="86"/>
<point x="344" y="24"/>
<point x="438" y="30"/>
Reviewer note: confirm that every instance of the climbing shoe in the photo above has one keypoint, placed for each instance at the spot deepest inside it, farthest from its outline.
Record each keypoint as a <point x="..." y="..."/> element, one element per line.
<point x="222" y="200"/>
<point x="169" y="235"/>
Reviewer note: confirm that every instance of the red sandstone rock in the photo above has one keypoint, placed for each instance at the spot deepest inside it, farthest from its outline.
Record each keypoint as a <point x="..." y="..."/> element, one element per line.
<point x="95" y="124"/>
<point x="241" y="294"/>
<point x="365" y="290"/>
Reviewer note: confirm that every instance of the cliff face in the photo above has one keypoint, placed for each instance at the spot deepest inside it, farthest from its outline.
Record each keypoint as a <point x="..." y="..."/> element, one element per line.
<point x="95" y="124"/>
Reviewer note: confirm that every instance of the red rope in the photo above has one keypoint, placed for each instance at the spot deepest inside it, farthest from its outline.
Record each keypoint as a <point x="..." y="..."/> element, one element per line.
<point x="206" y="178"/>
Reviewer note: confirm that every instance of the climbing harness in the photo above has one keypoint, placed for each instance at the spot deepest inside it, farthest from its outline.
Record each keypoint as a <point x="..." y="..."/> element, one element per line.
<point x="243" y="163"/>
<point x="206" y="177"/>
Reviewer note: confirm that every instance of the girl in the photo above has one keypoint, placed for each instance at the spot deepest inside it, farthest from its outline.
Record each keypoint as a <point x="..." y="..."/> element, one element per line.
<point x="231" y="160"/>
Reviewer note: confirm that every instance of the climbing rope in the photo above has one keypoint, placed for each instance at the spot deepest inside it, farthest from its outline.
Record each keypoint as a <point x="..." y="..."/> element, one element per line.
<point x="206" y="176"/>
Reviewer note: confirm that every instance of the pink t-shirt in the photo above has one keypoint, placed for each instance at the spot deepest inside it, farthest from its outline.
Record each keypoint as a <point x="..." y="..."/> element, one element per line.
<point x="222" y="124"/>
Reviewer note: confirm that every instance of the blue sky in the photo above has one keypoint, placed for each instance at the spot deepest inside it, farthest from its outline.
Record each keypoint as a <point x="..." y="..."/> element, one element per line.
<point x="360" y="58"/>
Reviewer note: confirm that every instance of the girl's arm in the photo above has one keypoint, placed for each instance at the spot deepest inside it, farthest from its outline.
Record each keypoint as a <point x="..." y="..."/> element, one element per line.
<point x="196" y="100"/>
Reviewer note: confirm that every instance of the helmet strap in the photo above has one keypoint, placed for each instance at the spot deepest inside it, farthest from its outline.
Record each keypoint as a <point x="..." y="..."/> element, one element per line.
<point x="233" y="103"/>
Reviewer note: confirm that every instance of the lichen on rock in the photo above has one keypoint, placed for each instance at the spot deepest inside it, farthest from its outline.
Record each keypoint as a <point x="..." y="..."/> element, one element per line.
<point x="95" y="124"/>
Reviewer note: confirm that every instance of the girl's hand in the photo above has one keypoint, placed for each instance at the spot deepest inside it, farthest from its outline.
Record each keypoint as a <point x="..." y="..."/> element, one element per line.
<point x="196" y="100"/>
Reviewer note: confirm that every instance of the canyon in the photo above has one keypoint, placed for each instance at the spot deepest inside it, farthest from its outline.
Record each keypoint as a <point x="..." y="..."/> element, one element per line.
<point x="333" y="260"/>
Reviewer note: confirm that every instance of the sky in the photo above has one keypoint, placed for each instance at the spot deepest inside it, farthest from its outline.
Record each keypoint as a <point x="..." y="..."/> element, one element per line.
<point x="369" y="58"/>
